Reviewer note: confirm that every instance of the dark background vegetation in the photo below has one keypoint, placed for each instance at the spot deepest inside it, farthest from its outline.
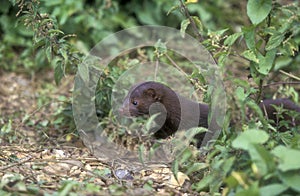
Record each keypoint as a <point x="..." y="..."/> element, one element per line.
<point x="44" y="42"/>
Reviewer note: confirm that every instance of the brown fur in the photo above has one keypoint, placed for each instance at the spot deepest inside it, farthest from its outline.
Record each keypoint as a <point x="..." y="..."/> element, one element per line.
<point x="175" y="106"/>
<point x="141" y="98"/>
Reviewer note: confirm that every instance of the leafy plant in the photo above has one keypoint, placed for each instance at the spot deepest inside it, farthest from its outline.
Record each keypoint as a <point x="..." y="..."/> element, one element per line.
<point x="252" y="162"/>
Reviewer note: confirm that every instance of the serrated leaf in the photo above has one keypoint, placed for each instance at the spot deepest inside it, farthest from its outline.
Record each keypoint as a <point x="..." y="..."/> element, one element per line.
<point x="291" y="47"/>
<point x="196" y="167"/>
<point x="58" y="72"/>
<point x="184" y="24"/>
<point x="48" y="52"/>
<point x="64" y="54"/>
<point x="249" y="137"/>
<point x="249" y="34"/>
<point x="266" y="62"/>
<point x="39" y="43"/>
<point x="229" y="41"/>
<point x="204" y="182"/>
<point x="217" y="33"/>
<point x="250" y="55"/>
<point x="274" y="41"/>
<point x="288" y="158"/>
<point x="198" y="22"/>
<point x="258" y="10"/>
<point x="56" y="31"/>
<point x="240" y="94"/>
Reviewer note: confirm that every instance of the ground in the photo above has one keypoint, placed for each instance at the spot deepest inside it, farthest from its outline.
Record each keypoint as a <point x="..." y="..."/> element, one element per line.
<point x="41" y="154"/>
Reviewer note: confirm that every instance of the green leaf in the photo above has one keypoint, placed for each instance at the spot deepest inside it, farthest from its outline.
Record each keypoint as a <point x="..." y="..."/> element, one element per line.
<point x="228" y="164"/>
<point x="64" y="54"/>
<point x="232" y="38"/>
<point x="55" y="31"/>
<point x="262" y="159"/>
<point x="255" y="108"/>
<point x="258" y="10"/>
<point x="289" y="158"/>
<point x="204" y="182"/>
<point x="217" y="33"/>
<point x="173" y="9"/>
<point x="48" y="52"/>
<point x="150" y="124"/>
<point x="190" y="133"/>
<point x="272" y="189"/>
<point x="240" y="94"/>
<point x="291" y="179"/>
<point x="291" y="47"/>
<point x="160" y="48"/>
<point x="249" y="137"/>
<point x="58" y="72"/>
<point x="39" y="43"/>
<point x="252" y="190"/>
<point x="249" y="34"/>
<point x="198" y="22"/>
<point x="254" y="73"/>
<point x="175" y="167"/>
<point x="196" y="167"/>
<point x="250" y="55"/>
<point x="141" y="151"/>
<point x="148" y="185"/>
<point x="274" y="41"/>
<point x="266" y="62"/>
<point x="184" y="24"/>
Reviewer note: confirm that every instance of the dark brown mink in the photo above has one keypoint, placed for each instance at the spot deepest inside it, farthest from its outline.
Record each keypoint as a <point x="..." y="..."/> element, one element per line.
<point x="182" y="113"/>
<point x="177" y="112"/>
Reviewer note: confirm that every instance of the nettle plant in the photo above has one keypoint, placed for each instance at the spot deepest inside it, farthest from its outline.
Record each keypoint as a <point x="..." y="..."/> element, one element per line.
<point x="260" y="160"/>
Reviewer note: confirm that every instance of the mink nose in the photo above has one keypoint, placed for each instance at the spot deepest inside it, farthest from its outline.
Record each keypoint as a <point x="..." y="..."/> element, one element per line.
<point x="124" y="111"/>
<point x="121" y="111"/>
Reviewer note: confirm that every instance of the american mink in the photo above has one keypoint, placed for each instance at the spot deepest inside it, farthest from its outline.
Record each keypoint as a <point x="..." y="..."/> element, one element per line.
<point x="141" y="98"/>
<point x="153" y="97"/>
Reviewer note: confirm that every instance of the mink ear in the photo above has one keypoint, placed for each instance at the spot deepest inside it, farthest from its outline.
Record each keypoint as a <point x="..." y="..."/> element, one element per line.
<point x="152" y="93"/>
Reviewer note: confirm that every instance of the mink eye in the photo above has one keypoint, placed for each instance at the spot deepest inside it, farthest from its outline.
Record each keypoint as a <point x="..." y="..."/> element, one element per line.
<point x="134" y="102"/>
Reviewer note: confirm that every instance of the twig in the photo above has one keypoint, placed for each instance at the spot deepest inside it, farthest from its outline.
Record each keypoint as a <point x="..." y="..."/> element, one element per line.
<point x="289" y="75"/>
<point x="279" y="83"/>
<point x="16" y="164"/>
<point x="181" y="70"/>
<point x="175" y="65"/>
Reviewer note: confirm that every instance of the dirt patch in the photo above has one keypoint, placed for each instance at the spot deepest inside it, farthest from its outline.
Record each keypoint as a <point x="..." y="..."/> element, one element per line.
<point x="40" y="155"/>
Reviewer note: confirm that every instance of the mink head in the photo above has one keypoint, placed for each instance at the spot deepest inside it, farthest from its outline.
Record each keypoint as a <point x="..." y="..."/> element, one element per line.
<point x="140" y="98"/>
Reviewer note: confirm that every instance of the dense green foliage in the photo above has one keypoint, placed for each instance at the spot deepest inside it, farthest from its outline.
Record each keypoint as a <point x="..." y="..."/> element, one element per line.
<point x="251" y="158"/>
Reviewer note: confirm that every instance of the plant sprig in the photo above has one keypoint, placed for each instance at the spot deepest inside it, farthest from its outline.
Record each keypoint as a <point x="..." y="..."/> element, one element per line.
<point x="48" y="36"/>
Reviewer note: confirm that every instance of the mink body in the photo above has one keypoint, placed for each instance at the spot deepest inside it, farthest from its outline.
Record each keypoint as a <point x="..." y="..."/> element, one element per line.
<point x="181" y="113"/>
